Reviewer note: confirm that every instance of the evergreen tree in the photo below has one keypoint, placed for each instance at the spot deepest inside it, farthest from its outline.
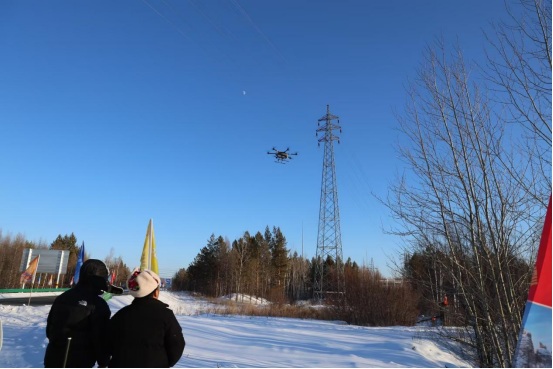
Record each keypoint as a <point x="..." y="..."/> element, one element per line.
<point x="264" y="263"/>
<point x="279" y="257"/>
<point x="68" y="243"/>
<point x="202" y="271"/>
<point x="268" y="237"/>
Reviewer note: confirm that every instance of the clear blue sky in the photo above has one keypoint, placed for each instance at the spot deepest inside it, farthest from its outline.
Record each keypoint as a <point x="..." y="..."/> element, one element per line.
<point x="110" y="115"/>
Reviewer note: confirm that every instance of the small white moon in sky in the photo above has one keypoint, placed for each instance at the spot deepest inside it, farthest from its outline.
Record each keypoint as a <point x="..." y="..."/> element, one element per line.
<point x="244" y="93"/>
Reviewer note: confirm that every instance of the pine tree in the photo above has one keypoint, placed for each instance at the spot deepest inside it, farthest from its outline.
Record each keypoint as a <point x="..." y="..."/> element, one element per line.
<point x="68" y="243"/>
<point x="279" y="257"/>
<point x="268" y="237"/>
<point x="203" y="270"/>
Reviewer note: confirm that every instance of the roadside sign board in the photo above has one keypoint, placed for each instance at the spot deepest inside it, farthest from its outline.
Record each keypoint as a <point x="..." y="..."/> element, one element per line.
<point x="51" y="261"/>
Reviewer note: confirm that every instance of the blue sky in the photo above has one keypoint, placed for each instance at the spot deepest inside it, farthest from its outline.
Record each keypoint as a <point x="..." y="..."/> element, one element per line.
<point x="112" y="113"/>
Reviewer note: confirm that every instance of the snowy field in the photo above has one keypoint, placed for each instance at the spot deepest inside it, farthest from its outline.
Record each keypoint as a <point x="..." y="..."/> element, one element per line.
<point x="236" y="341"/>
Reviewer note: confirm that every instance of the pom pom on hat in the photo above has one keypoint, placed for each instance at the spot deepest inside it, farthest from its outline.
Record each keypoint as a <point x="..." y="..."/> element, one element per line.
<point x="142" y="283"/>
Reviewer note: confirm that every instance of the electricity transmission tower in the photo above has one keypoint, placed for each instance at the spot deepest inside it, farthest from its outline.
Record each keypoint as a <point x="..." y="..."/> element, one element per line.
<point x="329" y="239"/>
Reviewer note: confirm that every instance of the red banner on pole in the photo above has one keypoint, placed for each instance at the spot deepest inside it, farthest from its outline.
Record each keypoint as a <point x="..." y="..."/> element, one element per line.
<point x="534" y="343"/>
<point x="540" y="289"/>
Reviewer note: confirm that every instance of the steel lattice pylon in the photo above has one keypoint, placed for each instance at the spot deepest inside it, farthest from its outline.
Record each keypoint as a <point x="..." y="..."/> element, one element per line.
<point x="329" y="239"/>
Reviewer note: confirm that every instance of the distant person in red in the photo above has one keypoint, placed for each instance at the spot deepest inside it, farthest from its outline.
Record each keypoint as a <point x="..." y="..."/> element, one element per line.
<point x="145" y="334"/>
<point x="444" y="304"/>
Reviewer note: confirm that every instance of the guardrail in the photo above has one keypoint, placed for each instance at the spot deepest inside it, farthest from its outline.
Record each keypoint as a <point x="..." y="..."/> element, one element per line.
<point x="34" y="290"/>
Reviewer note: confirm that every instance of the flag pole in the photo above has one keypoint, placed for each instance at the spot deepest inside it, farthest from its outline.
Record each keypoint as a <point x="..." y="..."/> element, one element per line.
<point x="33" y="280"/>
<point x="150" y="244"/>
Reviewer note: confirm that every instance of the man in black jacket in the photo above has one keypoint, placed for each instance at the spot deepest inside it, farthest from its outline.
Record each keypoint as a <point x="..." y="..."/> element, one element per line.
<point x="83" y="315"/>
<point x="146" y="333"/>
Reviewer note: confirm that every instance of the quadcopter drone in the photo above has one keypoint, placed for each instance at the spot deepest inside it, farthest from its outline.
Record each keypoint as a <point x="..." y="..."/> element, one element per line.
<point x="282" y="157"/>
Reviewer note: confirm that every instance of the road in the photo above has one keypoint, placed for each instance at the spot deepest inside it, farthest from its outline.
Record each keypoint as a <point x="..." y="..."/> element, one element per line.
<point x="35" y="301"/>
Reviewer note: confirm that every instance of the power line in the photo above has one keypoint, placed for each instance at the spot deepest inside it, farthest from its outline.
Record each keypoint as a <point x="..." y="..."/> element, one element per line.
<point x="208" y="19"/>
<point x="178" y="14"/>
<point x="181" y="32"/>
<point x="167" y="20"/>
<point x="245" y="14"/>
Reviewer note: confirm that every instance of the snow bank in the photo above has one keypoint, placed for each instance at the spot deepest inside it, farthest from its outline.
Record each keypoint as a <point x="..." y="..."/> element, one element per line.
<point x="240" y="297"/>
<point x="236" y="341"/>
<point x="181" y="303"/>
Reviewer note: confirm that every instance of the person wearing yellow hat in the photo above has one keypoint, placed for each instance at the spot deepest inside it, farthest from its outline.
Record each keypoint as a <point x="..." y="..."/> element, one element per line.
<point x="146" y="333"/>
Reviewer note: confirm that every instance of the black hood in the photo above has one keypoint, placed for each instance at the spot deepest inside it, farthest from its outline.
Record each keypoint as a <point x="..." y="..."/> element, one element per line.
<point x="94" y="276"/>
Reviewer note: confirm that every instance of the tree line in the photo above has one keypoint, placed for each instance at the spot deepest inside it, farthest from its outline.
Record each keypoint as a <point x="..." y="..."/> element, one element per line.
<point x="262" y="266"/>
<point x="11" y="252"/>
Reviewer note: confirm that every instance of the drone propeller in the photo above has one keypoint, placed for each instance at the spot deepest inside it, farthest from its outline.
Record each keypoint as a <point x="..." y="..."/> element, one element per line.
<point x="288" y="149"/>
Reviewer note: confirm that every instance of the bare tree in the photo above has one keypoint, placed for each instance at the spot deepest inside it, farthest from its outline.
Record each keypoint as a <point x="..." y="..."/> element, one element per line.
<point x="11" y="252"/>
<point x="519" y="69"/>
<point x="458" y="201"/>
<point x="116" y="264"/>
<point x="240" y="256"/>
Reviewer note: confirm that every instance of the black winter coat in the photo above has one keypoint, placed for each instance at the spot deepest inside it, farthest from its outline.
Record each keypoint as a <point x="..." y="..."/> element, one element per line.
<point x="84" y="316"/>
<point x="145" y="334"/>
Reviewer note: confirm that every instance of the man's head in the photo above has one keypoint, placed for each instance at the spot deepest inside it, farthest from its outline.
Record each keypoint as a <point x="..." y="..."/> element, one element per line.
<point x="154" y="294"/>
<point x="94" y="275"/>
<point x="144" y="284"/>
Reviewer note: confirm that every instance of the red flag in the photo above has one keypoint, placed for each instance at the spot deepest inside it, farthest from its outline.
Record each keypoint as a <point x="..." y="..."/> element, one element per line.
<point x="71" y="283"/>
<point x="112" y="279"/>
<point x="534" y="342"/>
<point x="540" y="288"/>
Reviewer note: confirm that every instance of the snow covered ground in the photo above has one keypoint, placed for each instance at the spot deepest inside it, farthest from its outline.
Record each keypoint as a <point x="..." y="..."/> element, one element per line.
<point x="237" y="341"/>
<point x="181" y="303"/>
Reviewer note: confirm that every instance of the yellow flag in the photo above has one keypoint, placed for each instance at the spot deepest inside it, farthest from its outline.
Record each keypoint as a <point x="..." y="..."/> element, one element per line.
<point x="144" y="259"/>
<point x="149" y="249"/>
<point x="153" y="263"/>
